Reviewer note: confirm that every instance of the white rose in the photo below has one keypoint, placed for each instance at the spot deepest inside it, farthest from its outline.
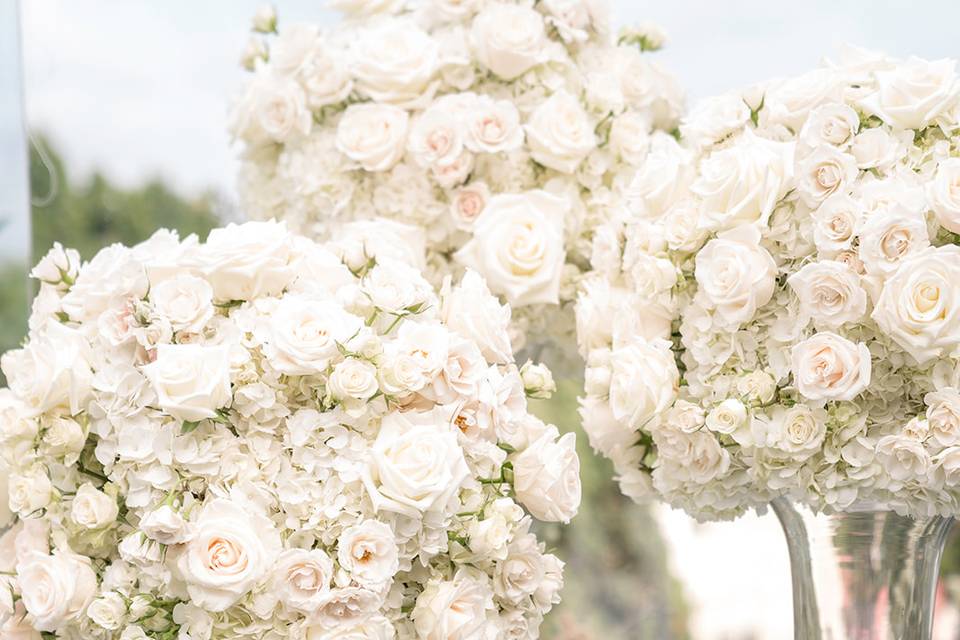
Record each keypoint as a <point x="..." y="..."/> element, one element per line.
<point x="471" y="311"/>
<point x="797" y="431"/>
<point x="451" y="175"/>
<point x="647" y="86"/>
<point x="547" y="477"/>
<point x="727" y="417"/>
<point x="301" y="579"/>
<point x="519" y="575"/>
<point x="663" y="178"/>
<point x="695" y="457"/>
<point x="509" y="39"/>
<point x="876" y="149"/>
<point x="108" y="611"/>
<point x="51" y="371"/>
<point x="456" y="609"/>
<point x="325" y="78"/>
<point x="829" y="367"/>
<point x="830" y="293"/>
<point x="372" y="135"/>
<point x="919" y="306"/>
<point x="836" y="224"/>
<point x="64" y="437"/>
<point x="742" y="183"/>
<point x="832" y="124"/>
<point x="380" y="239"/>
<point x="374" y="628"/>
<point x="757" y="386"/>
<point x="233" y="550"/>
<point x="93" y="509"/>
<point x="368" y="551"/>
<point x="56" y="589"/>
<point x="246" y="261"/>
<point x="397" y="288"/>
<point x="913" y="94"/>
<point x="59" y="267"/>
<point x="29" y="492"/>
<point x="903" y="457"/>
<point x="943" y="416"/>
<point x="413" y="468"/>
<point x="644" y="381"/>
<point x="630" y="137"/>
<point x="824" y="172"/>
<point x="517" y="246"/>
<point x="685" y="416"/>
<point x="304" y="334"/>
<point x="165" y="525"/>
<point x="111" y="278"/>
<point x="559" y="133"/>
<point x="346" y="607"/>
<point x="537" y="380"/>
<point x="394" y="62"/>
<point x="353" y="379"/>
<point x="273" y="109"/>
<point x="186" y="301"/>
<point x="493" y="126"/>
<point x="789" y="102"/>
<point x="944" y="194"/>
<point x="736" y="276"/>
<point x="192" y="381"/>
<point x="435" y="139"/>
<point x="888" y="237"/>
<point x="468" y="203"/>
<point x="712" y="119"/>
<point x="945" y="470"/>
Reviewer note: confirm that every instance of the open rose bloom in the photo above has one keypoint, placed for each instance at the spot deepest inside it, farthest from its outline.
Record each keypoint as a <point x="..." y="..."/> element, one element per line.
<point x="497" y="134"/>
<point x="779" y="313"/>
<point x="244" y="438"/>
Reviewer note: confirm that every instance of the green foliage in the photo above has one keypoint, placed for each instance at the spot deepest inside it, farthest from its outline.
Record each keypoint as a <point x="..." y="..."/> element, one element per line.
<point x="88" y="217"/>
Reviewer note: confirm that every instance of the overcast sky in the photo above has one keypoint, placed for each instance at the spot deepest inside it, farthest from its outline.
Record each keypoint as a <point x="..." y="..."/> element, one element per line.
<point x="141" y="88"/>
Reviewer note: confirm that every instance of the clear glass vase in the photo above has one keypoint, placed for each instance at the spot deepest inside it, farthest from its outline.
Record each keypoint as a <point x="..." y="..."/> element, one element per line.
<point x="864" y="574"/>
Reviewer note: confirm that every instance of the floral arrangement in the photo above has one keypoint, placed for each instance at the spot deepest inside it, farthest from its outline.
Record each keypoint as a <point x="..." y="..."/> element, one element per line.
<point x="498" y="134"/>
<point x="779" y="315"/>
<point x="244" y="438"/>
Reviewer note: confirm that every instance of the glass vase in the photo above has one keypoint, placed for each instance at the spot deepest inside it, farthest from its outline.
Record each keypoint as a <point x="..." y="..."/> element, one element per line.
<point x="863" y="574"/>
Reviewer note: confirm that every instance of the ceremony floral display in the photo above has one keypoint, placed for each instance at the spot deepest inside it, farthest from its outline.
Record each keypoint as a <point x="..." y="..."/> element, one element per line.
<point x="779" y="314"/>
<point x="248" y="438"/>
<point x="496" y="134"/>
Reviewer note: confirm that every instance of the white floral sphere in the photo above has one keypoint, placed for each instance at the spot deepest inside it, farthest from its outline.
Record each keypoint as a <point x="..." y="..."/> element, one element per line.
<point x="779" y="313"/>
<point x="246" y="438"/>
<point x="501" y="133"/>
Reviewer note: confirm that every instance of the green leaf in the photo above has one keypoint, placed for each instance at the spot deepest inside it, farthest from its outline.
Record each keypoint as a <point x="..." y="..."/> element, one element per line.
<point x="189" y="426"/>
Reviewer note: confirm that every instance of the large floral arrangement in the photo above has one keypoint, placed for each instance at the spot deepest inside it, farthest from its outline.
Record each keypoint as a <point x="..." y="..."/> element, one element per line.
<point x="498" y="134"/>
<point x="246" y="439"/>
<point x="780" y="313"/>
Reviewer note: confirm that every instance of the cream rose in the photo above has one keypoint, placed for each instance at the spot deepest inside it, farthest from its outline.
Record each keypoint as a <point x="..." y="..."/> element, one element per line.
<point x="824" y="172"/>
<point x="829" y="367"/>
<point x="394" y="61"/>
<point x="944" y="194"/>
<point x="29" y="492"/>
<point x="832" y="124"/>
<point x="165" y="526"/>
<point x="353" y="379"/>
<point x="379" y="239"/>
<point x="274" y="109"/>
<point x="93" y="509"/>
<point x="468" y="203"/>
<point x="373" y="628"/>
<point x="903" y="457"/>
<point x="56" y="589"/>
<point x="889" y="236"/>
<point x="435" y="139"/>
<point x="108" y="611"/>
<point x="830" y="293"/>
<point x="305" y="334"/>
<point x="471" y="311"/>
<point x="509" y="39"/>
<point x="547" y="477"/>
<point x="368" y="552"/>
<point x="247" y="261"/>
<point x="663" y="178"/>
<point x="413" y="468"/>
<point x="943" y="416"/>
<point x="630" y="137"/>
<point x="919" y="306"/>
<point x="559" y="133"/>
<point x="517" y="246"/>
<point x="192" y="381"/>
<point x="493" y="126"/>
<point x="234" y="548"/>
<point x="836" y="223"/>
<point x="644" y="381"/>
<point x="712" y="119"/>
<point x="455" y="609"/>
<point x="914" y="93"/>
<point x="112" y="277"/>
<point x="373" y="135"/>
<point x="736" y="276"/>
<point x="743" y="182"/>
<point x="797" y="431"/>
<point x="301" y="579"/>
<point x="185" y="301"/>
<point x="727" y="417"/>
